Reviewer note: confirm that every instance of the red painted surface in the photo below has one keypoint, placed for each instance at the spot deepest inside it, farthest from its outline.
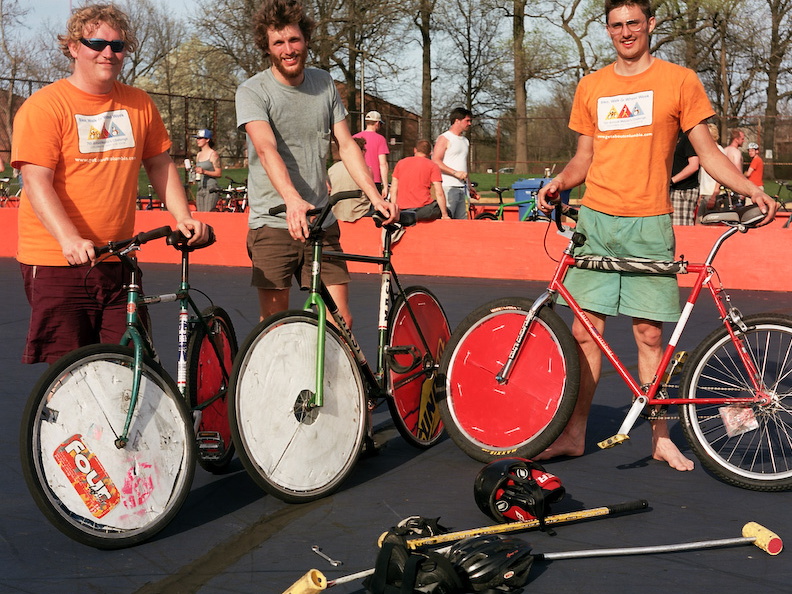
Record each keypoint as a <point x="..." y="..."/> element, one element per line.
<point x="758" y="260"/>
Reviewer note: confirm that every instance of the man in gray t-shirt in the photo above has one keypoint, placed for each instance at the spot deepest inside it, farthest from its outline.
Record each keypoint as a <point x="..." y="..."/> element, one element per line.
<point x="290" y="113"/>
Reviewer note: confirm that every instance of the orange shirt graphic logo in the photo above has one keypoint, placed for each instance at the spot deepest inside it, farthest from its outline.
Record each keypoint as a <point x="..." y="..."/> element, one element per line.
<point x="87" y="475"/>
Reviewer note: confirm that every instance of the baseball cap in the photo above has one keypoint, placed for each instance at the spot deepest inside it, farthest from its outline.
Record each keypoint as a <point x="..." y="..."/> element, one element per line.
<point x="753" y="145"/>
<point x="203" y="133"/>
<point x="373" y="116"/>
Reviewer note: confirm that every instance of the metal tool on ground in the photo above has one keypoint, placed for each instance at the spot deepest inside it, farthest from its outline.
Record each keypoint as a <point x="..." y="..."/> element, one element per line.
<point x="318" y="550"/>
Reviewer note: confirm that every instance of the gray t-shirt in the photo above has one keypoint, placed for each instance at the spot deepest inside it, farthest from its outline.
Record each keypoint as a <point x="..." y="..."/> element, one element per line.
<point x="302" y="118"/>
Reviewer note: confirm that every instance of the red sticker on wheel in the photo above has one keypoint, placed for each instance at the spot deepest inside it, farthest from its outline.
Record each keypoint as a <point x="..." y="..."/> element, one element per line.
<point x="87" y="475"/>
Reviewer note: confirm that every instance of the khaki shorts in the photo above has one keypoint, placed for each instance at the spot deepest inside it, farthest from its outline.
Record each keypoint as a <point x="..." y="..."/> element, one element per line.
<point x="648" y="296"/>
<point x="276" y="258"/>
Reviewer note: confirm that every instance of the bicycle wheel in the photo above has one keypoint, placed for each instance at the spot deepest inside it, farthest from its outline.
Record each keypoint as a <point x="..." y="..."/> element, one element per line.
<point x="294" y="451"/>
<point x="92" y="491"/>
<point x="207" y="387"/>
<point x="486" y="216"/>
<point x="523" y="416"/>
<point x="412" y="379"/>
<point x="746" y="446"/>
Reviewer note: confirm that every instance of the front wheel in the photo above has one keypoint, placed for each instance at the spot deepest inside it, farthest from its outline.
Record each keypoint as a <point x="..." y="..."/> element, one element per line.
<point x="486" y="216"/>
<point x="418" y="332"/>
<point x="92" y="491"/>
<point x="210" y="356"/>
<point x="293" y="449"/>
<point x="749" y="446"/>
<point x="522" y="416"/>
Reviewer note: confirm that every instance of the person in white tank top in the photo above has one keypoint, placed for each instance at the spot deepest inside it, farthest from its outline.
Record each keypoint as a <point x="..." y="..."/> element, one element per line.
<point x="451" y="155"/>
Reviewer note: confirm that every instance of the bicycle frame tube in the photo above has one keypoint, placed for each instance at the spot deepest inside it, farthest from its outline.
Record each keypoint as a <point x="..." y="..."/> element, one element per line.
<point x="316" y="302"/>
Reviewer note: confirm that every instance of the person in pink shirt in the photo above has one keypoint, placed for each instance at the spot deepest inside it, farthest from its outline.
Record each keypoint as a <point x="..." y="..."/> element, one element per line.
<point x="376" y="151"/>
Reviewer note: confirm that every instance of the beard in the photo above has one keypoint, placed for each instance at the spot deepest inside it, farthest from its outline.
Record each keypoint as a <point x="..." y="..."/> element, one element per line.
<point x="289" y="72"/>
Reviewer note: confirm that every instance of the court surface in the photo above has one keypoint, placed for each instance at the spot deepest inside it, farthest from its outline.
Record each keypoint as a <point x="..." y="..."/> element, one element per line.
<point x="230" y="537"/>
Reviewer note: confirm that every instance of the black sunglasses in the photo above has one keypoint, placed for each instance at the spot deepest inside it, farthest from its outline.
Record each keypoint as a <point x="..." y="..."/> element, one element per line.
<point x="98" y="45"/>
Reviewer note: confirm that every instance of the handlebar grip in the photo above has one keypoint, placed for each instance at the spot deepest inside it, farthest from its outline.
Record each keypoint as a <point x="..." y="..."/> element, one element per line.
<point x="178" y="240"/>
<point x="139" y="239"/>
<point x="147" y="236"/>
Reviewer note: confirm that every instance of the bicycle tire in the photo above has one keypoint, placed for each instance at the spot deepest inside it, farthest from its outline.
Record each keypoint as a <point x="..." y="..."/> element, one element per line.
<point x="486" y="216"/>
<point x="760" y="458"/>
<point x="522" y="417"/>
<point x="92" y="491"/>
<point x="294" y="453"/>
<point x="206" y="381"/>
<point x="413" y="398"/>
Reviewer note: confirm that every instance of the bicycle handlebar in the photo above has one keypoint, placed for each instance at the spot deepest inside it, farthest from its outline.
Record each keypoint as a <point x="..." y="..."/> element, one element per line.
<point x="175" y="238"/>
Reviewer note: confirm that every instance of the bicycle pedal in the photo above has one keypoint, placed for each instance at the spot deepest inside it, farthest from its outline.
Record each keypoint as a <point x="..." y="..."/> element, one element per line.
<point x="210" y="445"/>
<point x="613" y="441"/>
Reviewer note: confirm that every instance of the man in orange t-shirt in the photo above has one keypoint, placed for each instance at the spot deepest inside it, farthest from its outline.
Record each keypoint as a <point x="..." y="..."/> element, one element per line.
<point x="79" y="144"/>
<point x="755" y="171"/>
<point x="628" y="116"/>
<point x="412" y="182"/>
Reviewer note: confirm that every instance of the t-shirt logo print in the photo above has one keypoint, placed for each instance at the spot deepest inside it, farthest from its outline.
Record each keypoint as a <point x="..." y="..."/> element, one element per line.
<point x="615" y="113"/>
<point x="106" y="131"/>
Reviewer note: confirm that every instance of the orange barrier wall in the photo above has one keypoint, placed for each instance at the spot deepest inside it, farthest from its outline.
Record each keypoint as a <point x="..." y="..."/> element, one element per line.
<point x="759" y="260"/>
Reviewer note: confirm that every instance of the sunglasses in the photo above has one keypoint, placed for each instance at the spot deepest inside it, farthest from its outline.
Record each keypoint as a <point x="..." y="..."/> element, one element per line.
<point x="98" y="45"/>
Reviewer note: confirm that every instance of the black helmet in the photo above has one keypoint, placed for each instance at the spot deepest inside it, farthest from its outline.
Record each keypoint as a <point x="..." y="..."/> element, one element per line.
<point x="492" y="562"/>
<point x="511" y="489"/>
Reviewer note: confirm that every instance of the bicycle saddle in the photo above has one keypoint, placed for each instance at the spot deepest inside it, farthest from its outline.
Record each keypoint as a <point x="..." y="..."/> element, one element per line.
<point x="743" y="215"/>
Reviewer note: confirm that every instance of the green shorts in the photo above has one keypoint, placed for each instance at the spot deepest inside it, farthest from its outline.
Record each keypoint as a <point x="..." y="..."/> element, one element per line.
<point x="277" y="258"/>
<point x="648" y="296"/>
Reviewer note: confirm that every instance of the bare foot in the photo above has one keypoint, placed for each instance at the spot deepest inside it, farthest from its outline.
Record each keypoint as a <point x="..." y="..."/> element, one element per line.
<point x="665" y="450"/>
<point x="565" y="445"/>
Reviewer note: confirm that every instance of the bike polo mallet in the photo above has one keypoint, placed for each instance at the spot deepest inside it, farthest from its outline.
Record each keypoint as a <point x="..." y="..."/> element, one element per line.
<point x="314" y="581"/>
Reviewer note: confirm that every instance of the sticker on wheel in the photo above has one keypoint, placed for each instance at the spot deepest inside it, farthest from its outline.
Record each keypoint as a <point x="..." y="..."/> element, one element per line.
<point x="87" y="475"/>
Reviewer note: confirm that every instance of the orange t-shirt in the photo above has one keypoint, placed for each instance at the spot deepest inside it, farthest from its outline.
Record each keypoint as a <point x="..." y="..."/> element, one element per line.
<point x="634" y="121"/>
<point x="95" y="144"/>
<point x="757" y="175"/>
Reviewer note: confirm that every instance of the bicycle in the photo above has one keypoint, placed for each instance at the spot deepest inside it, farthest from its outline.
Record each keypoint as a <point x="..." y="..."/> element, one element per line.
<point x="233" y="198"/>
<point x="532" y="213"/>
<point x="302" y="392"/>
<point x="108" y="441"/>
<point x="7" y="198"/>
<point x="510" y="374"/>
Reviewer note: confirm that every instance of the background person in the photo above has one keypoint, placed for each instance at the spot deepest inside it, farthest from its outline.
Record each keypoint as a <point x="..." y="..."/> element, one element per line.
<point x="755" y="171"/>
<point x="414" y="178"/>
<point x="734" y="148"/>
<point x="79" y="144"/>
<point x="451" y="156"/>
<point x="377" y="151"/>
<point x="708" y="187"/>
<point x="207" y="171"/>
<point x="684" y="182"/>
<point x="351" y="209"/>
<point x="289" y="113"/>
<point x="670" y="98"/>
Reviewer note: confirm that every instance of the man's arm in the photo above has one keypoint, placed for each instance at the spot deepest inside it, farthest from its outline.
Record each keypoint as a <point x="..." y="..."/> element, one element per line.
<point x="266" y="146"/>
<point x="47" y="206"/>
<point x="751" y="168"/>
<point x="722" y="169"/>
<point x="383" y="165"/>
<point x="360" y="172"/>
<point x="441" y="199"/>
<point x="689" y="169"/>
<point x="572" y="175"/>
<point x="165" y="180"/>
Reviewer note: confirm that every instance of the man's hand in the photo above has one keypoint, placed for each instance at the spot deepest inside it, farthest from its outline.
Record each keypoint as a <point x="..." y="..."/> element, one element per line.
<point x="548" y="196"/>
<point x="78" y="251"/>
<point x="197" y="231"/>
<point x="296" y="218"/>
<point x="390" y="210"/>
<point x="766" y="204"/>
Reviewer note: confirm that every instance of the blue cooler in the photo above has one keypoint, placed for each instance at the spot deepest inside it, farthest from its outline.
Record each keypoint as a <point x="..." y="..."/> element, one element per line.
<point x="526" y="189"/>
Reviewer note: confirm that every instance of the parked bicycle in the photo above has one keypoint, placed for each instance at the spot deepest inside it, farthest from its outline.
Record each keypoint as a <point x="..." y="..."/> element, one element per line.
<point x="302" y="391"/>
<point x="8" y="199"/>
<point x="510" y="373"/>
<point x="783" y="197"/>
<point x="528" y="209"/>
<point x="234" y="198"/>
<point x="108" y="441"/>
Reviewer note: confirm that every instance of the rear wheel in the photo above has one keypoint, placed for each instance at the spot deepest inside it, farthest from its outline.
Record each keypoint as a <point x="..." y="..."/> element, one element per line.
<point x="94" y="492"/>
<point x="486" y="216"/>
<point x="414" y="356"/>
<point x="746" y="445"/>
<point x="291" y="448"/>
<point x="210" y="356"/>
<point x="521" y="417"/>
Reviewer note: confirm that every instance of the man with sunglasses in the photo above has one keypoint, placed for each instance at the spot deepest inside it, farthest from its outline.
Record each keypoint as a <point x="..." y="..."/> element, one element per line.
<point x="628" y="116"/>
<point x="79" y="144"/>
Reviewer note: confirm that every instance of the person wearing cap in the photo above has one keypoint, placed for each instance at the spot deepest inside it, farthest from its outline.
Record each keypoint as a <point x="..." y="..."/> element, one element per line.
<point x="207" y="171"/>
<point x="80" y="143"/>
<point x="755" y="172"/>
<point x="377" y="151"/>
